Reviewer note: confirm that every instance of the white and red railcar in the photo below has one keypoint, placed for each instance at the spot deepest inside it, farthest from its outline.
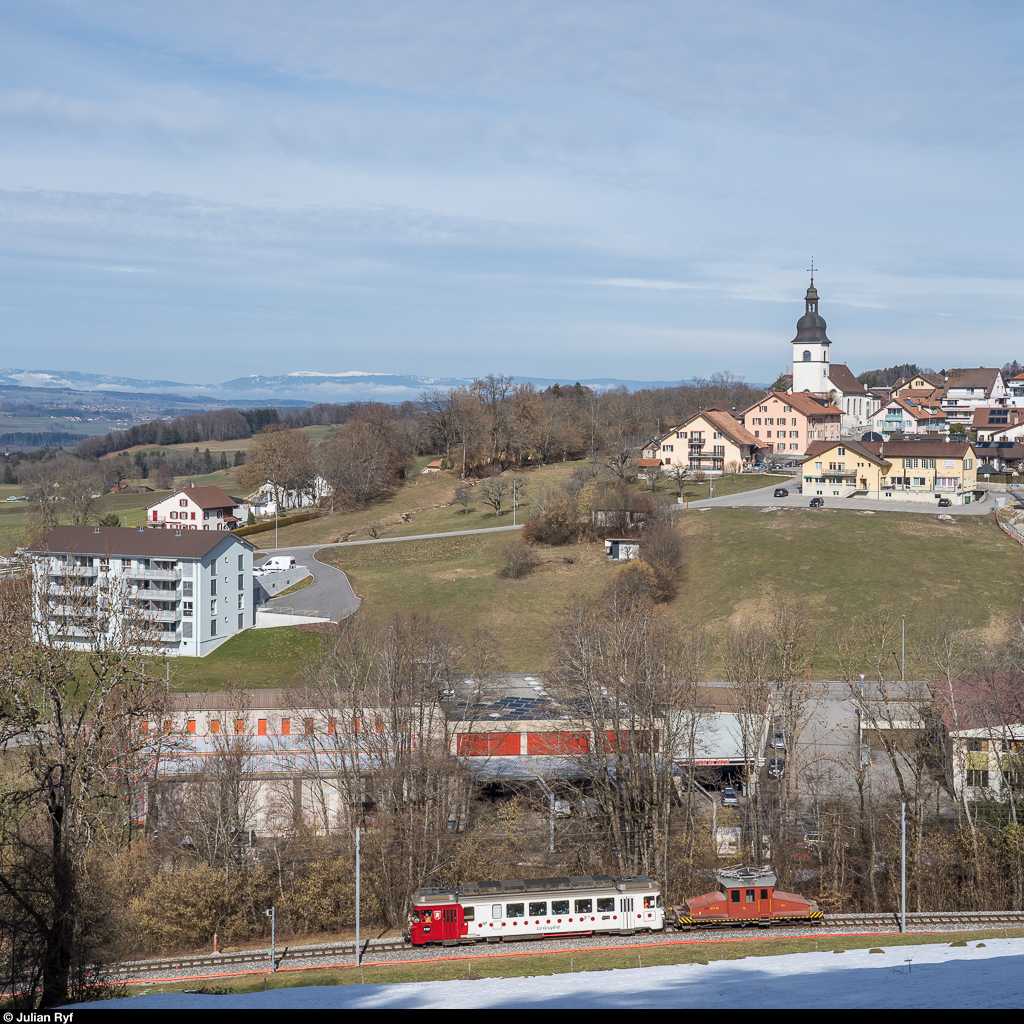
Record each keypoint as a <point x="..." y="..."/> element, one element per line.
<point x="531" y="908"/>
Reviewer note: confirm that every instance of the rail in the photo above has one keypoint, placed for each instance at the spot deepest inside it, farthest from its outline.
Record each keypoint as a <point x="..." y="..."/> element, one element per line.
<point x="257" y="958"/>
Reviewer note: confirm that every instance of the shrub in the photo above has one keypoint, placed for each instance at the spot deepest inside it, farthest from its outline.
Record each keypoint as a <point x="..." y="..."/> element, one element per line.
<point x="517" y="560"/>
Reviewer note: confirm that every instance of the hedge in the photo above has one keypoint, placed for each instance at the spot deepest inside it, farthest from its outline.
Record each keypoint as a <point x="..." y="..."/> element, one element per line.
<point x="270" y="524"/>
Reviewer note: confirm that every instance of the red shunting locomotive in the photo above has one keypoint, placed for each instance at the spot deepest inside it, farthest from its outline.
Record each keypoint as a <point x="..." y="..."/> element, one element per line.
<point x="747" y="897"/>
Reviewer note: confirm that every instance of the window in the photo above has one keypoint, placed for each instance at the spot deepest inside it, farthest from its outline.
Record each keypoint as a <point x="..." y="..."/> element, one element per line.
<point x="186" y="588"/>
<point x="286" y="727"/>
<point x="734" y="895"/>
<point x="213" y="587"/>
<point x="332" y="726"/>
<point x="186" y="630"/>
<point x="186" y="609"/>
<point x="241" y="621"/>
<point x="308" y="724"/>
<point x="241" y="600"/>
<point x="261" y="726"/>
<point x="842" y="451"/>
<point x="213" y="606"/>
<point x="496" y="911"/>
<point x="239" y="725"/>
<point x="538" y="909"/>
<point x="750" y="895"/>
<point x="215" y="726"/>
<point x="241" y="564"/>
<point x="559" y="906"/>
<point x="183" y="502"/>
<point x="584" y="906"/>
<point x="191" y="726"/>
<point x="607" y="905"/>
<point x="213" y="628"/>
<point x="515" y="910"/>
<point x="807" y="356"/>
<point x="241" y="584"/>
<point x="977" y="777"/>
<point x="469" y="913"/>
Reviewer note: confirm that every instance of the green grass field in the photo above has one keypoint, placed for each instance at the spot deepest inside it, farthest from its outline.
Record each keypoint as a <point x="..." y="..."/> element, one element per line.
<point x="522" y="964"/>
<point x="455" y="579"/>
<point x="257" y="658"/>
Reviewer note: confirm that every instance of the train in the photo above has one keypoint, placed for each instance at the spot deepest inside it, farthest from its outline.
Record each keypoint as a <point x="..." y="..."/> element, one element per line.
<point x="534" y="908"/>
<point x="537" y="908"/>
<point x="746" y="898"/>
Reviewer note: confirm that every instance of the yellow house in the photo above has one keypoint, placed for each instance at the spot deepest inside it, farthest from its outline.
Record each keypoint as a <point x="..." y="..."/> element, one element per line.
<point x="906" y="470"/>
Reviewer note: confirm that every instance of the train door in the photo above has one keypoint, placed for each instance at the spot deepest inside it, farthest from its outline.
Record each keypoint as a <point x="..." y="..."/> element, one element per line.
<point x="626" y="913"/>
<point x="447" y="924"/>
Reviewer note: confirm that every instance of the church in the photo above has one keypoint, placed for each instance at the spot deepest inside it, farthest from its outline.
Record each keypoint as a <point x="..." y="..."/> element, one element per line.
<point x="815" y="374"/>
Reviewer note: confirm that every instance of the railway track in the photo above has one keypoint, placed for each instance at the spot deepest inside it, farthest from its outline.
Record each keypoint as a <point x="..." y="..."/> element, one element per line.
<point x="377" y="952"/>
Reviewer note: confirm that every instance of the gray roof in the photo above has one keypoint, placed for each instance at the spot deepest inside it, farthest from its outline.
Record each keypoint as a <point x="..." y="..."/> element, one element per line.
<point x="121" y="541"/>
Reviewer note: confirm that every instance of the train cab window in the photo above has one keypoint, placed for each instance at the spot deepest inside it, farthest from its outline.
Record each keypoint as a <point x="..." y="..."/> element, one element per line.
<point x="734" y="895"/>
<point x="469" y="913"/>
<point x="496" y="911"/>
<point x="648" y="903"/>
<point x="750" y="895"/>
<point x="764" y="894"/>
<point x="515" y="910"/>
<point x="606" y="906"/>
<point x="584" y="906"/>
<point x="537" y="909"/>
<point x="559" y="906"/>
<point x="658" y="901"/>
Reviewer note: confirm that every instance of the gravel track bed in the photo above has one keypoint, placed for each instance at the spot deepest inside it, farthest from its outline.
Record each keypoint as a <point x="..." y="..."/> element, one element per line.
<point x="341" y="954"/>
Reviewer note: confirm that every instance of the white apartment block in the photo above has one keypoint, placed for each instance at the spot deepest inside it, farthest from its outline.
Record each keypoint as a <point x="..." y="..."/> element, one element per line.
<point x="175" y="592"/>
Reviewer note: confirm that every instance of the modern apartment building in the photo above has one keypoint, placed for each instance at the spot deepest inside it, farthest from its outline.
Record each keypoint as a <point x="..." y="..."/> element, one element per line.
<point x="177" y="592"/>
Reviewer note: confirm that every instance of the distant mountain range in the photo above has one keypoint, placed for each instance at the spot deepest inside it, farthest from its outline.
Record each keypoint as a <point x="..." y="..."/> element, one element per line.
<point x="290" y="388"/>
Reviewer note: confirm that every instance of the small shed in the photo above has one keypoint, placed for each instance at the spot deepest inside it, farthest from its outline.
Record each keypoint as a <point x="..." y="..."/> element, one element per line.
<point x="622" y="549"/>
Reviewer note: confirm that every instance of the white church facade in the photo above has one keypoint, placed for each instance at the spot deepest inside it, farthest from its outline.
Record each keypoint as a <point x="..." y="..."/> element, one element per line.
<point x="815" y="374"/>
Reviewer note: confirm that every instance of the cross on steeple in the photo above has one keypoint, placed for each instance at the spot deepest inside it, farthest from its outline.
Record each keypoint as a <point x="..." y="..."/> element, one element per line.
<point x="811" y="271"/>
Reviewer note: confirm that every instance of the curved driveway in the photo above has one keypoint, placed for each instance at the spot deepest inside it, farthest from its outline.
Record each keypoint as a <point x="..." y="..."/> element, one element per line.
<point x="330" y="594"/>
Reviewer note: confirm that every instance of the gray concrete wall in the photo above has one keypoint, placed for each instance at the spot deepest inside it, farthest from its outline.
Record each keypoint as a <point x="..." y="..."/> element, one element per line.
<point x="266" y="587"/>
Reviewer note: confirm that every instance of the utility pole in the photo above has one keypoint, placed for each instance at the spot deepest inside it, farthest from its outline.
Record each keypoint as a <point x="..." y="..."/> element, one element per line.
<point x="357" y="899"/>
<point x="270" y="913"/>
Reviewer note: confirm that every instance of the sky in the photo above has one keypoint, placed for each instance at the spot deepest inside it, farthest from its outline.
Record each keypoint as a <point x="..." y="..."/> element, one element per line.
<point x="202" y="190"/>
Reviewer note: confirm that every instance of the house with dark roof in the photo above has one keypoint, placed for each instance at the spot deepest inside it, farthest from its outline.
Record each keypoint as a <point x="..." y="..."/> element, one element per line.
<point x="969" y="388"/>
<point x="197" y="508"/>
<point x="172" y="592"/>
<point x="908" y="470"/>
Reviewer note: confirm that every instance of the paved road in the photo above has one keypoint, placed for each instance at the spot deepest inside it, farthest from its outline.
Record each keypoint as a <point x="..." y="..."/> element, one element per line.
<point x="764" y="496"/>
<point x="330" y="594"/>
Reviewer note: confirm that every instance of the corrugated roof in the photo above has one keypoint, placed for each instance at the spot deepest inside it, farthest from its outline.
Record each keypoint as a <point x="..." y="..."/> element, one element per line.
<point x="122" y="542"/>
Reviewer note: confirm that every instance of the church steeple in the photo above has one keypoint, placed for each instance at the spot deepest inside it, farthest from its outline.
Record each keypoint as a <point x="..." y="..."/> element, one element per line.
<point x="811" y="298"/>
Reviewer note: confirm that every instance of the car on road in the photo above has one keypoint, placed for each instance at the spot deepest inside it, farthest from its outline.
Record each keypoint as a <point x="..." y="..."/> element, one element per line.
<point x="817" y="502"/>
<point x="945" y="503"/>
<point x="776" y="768"/>
<point x="729" y="797"/>
<point x="781" y="492"/>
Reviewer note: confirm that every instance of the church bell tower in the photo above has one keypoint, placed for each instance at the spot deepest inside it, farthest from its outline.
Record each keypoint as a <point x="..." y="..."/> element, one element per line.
<point x="810" y="349"/>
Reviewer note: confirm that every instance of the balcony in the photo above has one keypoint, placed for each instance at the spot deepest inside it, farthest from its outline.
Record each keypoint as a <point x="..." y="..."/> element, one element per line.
<point x="159" y="615"/>
<point x="155" y="574"/>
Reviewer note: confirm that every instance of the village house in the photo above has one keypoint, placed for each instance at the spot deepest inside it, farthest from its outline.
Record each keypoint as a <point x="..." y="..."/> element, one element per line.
<point x="789" y="423"/>
<point x="907" y="470"/>
<point x="712" y="441"/>
<point x="909" y="416"/>
<point x="197" y="508"/>
<point x="968" y="389"/>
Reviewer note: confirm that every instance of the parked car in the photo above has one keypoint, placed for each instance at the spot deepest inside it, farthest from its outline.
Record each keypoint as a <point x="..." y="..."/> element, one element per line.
<point x="729" y="797"/>
<point x="817" y="502"/>
<point x="779" y="738"/>
<point x="781" y="492"/>
<point x="776" y="768"/>
<point x="945" y="502"/>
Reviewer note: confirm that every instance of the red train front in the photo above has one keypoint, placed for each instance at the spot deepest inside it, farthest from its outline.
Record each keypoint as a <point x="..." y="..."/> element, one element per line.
<point x="438" y="921"/>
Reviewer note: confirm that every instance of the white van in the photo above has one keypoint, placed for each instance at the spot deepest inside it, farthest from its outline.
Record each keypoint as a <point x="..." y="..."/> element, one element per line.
<point x="277" y="564"/>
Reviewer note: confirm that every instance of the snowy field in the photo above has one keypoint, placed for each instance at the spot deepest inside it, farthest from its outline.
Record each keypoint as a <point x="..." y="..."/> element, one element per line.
<point x="985" y="974"/>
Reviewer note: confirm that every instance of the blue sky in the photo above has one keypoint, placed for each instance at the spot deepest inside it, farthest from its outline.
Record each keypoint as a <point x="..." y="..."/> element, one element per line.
<point x="201" y="190"/>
